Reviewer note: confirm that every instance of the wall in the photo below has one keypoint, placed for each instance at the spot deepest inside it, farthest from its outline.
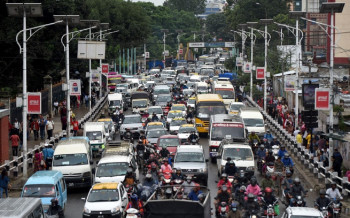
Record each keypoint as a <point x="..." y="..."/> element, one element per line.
<point x="342" y="51"/>
<point x="4" y="136"/>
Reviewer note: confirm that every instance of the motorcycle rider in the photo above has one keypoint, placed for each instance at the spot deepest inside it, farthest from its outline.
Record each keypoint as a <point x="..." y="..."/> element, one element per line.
<point x="322" y="201"/>
<point x="148" y="181"/>
<point x="251" y="206"/>
<point x="287" y="183"/>
<point x="275" y="142"/>
<point x="193" y="195"/>
<point x="231" y="170"/>
<point x="222" y="196"/>
<point x="224" y="181"/>
<point x="253" y="188"/>
<point x="135" y="203"/>
<point x="165" y="167"/>
<point x="152" y="159"/>
<point x="268" y="136"/>
<point x="282" y="151"/>
<point x="252" y="136"/>
<point x="140" y="146"/>
<point x="154" y="172"/>
<point x="261" y="153"/>
<point x="241" y="179"/>
<point x="270" y="157"/>
<point x="154" y="117"/>
<point x="188" y="185"/>
<point x="297" y="190"/>
<point x="164" y="153"/>
<point x="288" y="162"/>
<point x="333" y="192"/>
<point x="269" y="198"/>
<point x="193" y="136"/>
<point x="55" y="208"/>
<point x="177" y="174"/>
<point x="130" y="178"/>
<point x="234" y="213"/>
<point x="267" y="181"/>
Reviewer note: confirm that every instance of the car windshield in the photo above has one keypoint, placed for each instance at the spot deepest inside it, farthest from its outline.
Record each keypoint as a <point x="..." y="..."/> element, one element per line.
<point x="204" y="88"/>
<point x="209" y="72"/>
<point x="186" y="129"/>
<point x="156" y="133"/>
<point x="149" y="127"/>
<point x="177" y="122"/>
<point x="123" y="85"/>
<point x="139" y="103"/>
<point x="252" y="122"/>
<point x="189" y="157"/>
<point x="236" y="107"/>
<point x="206" y="111"/>
<point x="112" y="169"/>
<point x="204" y="78"/>
<point x="168" y="142"/>
<point x="130" y="120"/>
<point x="163" y="98"/>
<point x="226" y="94"/>
<point x="156" y="110"/>
<point x="173" y="115"/>
<point x="94" y="135"/>
<point x="161" y="91"/>
<point x="120" y="90"/>
<point x="114" y="103"/>
<point x="99" y="195"/>
<point x="70" y="159"/>
<point x="238" y="154"/>
<point x="178" y="108"/>
<point x="39" y="190"/>
<point x="219" y="133"/>
<point x="191" y="101"/>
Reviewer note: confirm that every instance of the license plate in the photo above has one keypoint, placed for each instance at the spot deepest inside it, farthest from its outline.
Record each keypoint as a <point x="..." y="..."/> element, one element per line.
<point x="71" y="184"/>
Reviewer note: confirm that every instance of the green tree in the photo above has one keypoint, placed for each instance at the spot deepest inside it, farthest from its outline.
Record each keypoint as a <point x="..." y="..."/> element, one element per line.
<point x="195" y="6"/>
<point x="216" y="24"/>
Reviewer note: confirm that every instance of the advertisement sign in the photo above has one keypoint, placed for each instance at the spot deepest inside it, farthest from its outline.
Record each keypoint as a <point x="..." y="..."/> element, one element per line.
<point x="74" y="86"/>
<point x="308" y="91"/>
<point x="247" y="67"/>
<point x="95" y="76"/>
<point x="289" y="83"/>
<point x="180" y="51"/>
<point x="322" y="97"/>
<point x="196" y="44"/>
<point x="105" y="68"/>
<point x="34" y="102"/>
<point x="260" y="73"/>
<point x="91" y="49"/>
<point x="239" y="61"/>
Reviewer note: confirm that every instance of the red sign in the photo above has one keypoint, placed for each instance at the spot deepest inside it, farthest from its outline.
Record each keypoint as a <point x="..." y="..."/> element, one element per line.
<point x="180" y="51"/>
<point x="322" y="99"/>
<point x="260" y="73"/>
<point x="105" y="68"/>
<point x="237" y="125"/>
<point x="34" y="102"/>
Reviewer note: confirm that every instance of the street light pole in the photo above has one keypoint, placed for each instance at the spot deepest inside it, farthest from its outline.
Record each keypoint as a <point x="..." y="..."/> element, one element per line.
<point x="164" y="35"/>
<point x="251" y="24"/>
<point x="244" y="37"/>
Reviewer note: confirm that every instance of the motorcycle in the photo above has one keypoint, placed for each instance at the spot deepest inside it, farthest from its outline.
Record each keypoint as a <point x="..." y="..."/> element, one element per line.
<point x="324" y="210"/>
<point x="255" y="146"/>
<point x="223" y="209"/>
<point x="144" y="117"/>
<point x="194" y="141"/>
<point x="177" y="185"/>
<point x="130" y="189"/>
<point x="335" y="205"/>
<point x="261" y="163"/>
<point x="270" y="210"/>
<point x="298" y="201"/>
<point x="132" y="213"/>
<point x="270" y="168"/>
<point x="239" y="195"/>
<point x="275" y="149"/>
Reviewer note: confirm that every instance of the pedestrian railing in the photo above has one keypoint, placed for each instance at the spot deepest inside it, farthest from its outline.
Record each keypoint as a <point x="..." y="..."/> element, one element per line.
<point x="304" y="156"/>
<point x="15" y="166"/>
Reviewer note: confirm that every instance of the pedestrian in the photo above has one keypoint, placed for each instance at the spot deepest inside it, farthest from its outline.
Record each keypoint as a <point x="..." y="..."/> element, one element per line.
<point x="337" y="162"/>
<point x="49" y="127"/>
<point x="86" y="98"/>
<point x="15" y="142"/>
<point x="39" y="163"/>
<point x="55" y="105"/>
<point x="16" y="125"/>
<point x="35" y="127"/>
<point x="42" y="125"/>
<point x="4" y="183"/>
<point x="75" y="125"/>
<point x="48" y="155"/>
<point x="64" y="122"/>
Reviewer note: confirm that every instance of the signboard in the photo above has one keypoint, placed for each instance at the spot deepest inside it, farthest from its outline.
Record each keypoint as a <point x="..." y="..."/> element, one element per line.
<point x="211" y="44"/>
<point x="91" y="49"/>
<point x="289" y="83"/>
<point x="238" y="125"/>
<point x="322" y="97"/>
<point x="196" y="44"/>
<point x="180" y="51"/>
<point x="260" y="73"/>
<point x="247" y="67"/>
<point x="74" y="87"/>
<point x="308" y="91"/>
<point x="105" y="68"/>
<point x="166" y="52"/>
<point x="96" y="76"/>
<point x="34" y="102"/>
<point x="229" y="44"/>
<point x="147" y="54"/>
<point x="239" y="61"/>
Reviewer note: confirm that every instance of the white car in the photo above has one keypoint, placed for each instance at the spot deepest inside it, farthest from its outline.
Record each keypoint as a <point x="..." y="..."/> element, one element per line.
<point x="179" y="107"/>
<point x="175" y="125"/>
<point x="304" y="212"/>
<point x="108" y="199"/>
<point x="155" y="109"/>
<point x="185" y="131"/>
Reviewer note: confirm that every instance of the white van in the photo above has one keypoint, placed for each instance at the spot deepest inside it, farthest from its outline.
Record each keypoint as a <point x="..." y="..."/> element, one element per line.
<point x="202" y="88"/>
<point x="195" y="78"/>
<point x="115" y="102"/>
<point x="97" y="135"/>
<point x="253" y="120"/>
<point x="73" y="159"/>
<point x="133" y="84"/>
<point x="160" y="89"/>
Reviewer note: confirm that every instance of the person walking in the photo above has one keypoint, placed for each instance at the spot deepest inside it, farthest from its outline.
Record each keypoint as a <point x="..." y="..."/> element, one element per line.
<point x="48" y="155"/>
<point x="35" y="127"/>
<point x="75" y="125"/>
<point x="42" y="125"/>
<point x="38" y="161"/>
<point x="49" y="127"/>
<point x="4" y="183"/>
<point x="15" y="142"/>
<point x="16" y="126"/>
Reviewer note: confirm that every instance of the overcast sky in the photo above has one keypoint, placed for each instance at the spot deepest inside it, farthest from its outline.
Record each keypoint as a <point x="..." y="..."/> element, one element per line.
<point x="155" y="2"/>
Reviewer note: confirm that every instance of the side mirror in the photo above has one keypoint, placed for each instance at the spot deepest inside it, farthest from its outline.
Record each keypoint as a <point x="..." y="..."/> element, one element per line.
<point x="83" y="199"/>
<point x="124" y="198"/>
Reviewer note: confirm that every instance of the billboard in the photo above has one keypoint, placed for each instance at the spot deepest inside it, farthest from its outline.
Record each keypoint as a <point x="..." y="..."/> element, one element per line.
<point x="239" y="61"/>
<point x="247" y="67"/>
<point x="105" y="68"/>
<point x="322" y="97"/>
<point x="34" y="102"/>
<point x="308" y="91"/>
<point x="260" y="73"/>
<point x="289" y="83"/>
<point x="91" y="49"/>
<point x="74" y="87"/>
<point x="95" y="76"/>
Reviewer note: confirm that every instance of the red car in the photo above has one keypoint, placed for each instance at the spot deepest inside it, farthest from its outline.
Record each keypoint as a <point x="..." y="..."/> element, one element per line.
<point x="171" y="141"/>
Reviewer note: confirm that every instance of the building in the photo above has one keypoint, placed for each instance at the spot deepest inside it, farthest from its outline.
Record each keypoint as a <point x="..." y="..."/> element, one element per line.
<point x="212" y="7"/>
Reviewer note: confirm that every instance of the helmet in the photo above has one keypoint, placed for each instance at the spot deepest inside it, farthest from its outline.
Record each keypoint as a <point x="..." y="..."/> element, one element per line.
<point x="288" y="172"/>
<point x="253" y="181"/>
<point x="129" y="170"/>
<point x="178" y="169"/>
<point x="286" y="155"/>
<point x="151" y="156"/>
<point x="164" y="147"/>
<point x="188" y="178"/>
<point x="296" y="180"/>
<point x="140" y="141"/>
<point x="165" y="160"/>
<point x="201" y="196"/>
<point x="283" y="146"/>
<point x="148" y="176"/>
<point x="232" y="162"/>
<point x="251" y="196"/>
<point x="54" y="200"/>
<point x="134" y="197"/>
<point x="268" y="190"/>
<point x="153" y="166"/>
<point x="253" y="132"/>
<point x="322" y="192"/>
<point x="262" y="146"/>
<point x="333" y="183"/>
<point x="234" y="206"/>
<point x="270" y="152"/>
<point x="242" y="188"/>
<point x="224" y="175"/>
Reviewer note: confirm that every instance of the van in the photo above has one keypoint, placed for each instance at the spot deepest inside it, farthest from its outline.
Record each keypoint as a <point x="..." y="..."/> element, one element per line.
<point x="202" y="88"/>
<point x="115" y="102"/>
<point x="21" y="208"/>
<point x="96" y="132"/>
<point x="253" y="121"/>
<point x="160" y="89"/>
<point x="46" y="185"/>
<point x="73" y="159"/>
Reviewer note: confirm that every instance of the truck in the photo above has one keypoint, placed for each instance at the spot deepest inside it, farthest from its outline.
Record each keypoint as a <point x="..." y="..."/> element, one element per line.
<point x="96" y="132"/>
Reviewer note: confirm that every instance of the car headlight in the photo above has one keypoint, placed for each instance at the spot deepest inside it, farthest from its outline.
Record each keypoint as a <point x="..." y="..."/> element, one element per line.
<point x="115" y="209"/>
<point x="86" y="210"/>
<point x="250" y="168"/>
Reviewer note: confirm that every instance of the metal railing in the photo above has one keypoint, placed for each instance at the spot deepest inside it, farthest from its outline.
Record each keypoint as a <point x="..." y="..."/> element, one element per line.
<point x="304" y="156"/>
<point x="15" y="167"/>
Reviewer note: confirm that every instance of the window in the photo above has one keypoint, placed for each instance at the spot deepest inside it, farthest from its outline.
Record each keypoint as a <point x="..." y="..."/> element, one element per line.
<point x="57" y="190"/>
<point x="63" y="185"/>
<point x="38" y="212"/>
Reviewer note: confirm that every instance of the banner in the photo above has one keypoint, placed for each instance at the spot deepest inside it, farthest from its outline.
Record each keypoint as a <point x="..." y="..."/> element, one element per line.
<point x="260" y="73"/>
<point x="74" y="87"/>
<point x="239" y="61"/>
<point x="34" y="102"/>
<point x="247" y="67"/>
<point x="309" y="96"/>
<point x="96" y="76"/>
<point x="322" y="97"/>
<point x="289" y="83"/>
<point x="105" y="68"/>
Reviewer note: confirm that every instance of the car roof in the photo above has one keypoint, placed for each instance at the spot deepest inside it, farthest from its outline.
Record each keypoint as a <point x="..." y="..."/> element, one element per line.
<point x="178" y="105"/>
<point x="133" y="115"/>
<point x="226" y="118"/>
<point x="152" y="130"/>
<point x="154" y="107"/>
<point x="104" y="120"/>
<point x="154" y="123"/>
<point x="169" y="137"/>
<point x="236" y="146"/>
<point x="178" y="118"/>
<point x="114" y="159"/>
<point x="187" y="125"/>
<point x="175" y="111"/>
<point x="190" y="148"/>
<point x="44" y="177"/>
<point x="303" y="211"/>
<point x="99" y="186"/>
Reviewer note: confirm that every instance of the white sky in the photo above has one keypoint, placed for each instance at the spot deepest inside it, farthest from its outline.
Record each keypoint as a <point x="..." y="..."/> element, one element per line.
<point x="155" y="2"/>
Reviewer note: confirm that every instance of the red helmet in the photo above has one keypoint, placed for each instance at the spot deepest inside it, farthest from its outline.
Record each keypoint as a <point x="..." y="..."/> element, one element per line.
<point x="268" y="190"/>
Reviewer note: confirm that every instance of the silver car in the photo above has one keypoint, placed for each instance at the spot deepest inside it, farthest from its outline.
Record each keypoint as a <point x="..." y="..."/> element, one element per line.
<point x="132" y="122"/>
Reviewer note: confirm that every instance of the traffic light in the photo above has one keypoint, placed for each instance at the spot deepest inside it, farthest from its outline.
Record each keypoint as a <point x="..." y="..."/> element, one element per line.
<point x="310" y="118"/>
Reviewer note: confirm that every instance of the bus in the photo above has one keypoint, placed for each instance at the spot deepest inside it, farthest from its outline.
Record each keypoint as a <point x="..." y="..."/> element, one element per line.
<point x="113" y="80"/>
<point x="226" y="91"/>
<point x="207" y="105"/>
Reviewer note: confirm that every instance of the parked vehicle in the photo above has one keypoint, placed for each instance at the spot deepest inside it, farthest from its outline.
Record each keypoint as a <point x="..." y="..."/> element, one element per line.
<point x="21" y="208"/>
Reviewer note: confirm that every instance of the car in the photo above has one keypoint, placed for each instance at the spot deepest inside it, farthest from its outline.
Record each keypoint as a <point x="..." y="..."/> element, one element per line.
<point x="185" y="131"/>
<point x="153" y="135"/>
<point x="305" y="212"/>
<point x="109" y="127"/>
<point x="191" y="102"/>
<point x="163" y="99"/>
<point x="154" y="125"/>
<point x="191" y="160"/>
<point x="170" y="141"/>
<point x="132" y="122"/>
<point x="174" y="114"/>
<point x="108" y="199"/>
<point x="175" y="125"/>
<point x="188" y="92"/>
<point x="179" y="107"/>
<point x="155" y="109"/>
<point x="235" y="107"/>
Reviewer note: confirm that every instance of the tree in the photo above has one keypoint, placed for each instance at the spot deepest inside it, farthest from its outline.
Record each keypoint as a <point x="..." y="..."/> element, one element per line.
<point x="216" y="24"/>
<point x="195" y="6"/>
